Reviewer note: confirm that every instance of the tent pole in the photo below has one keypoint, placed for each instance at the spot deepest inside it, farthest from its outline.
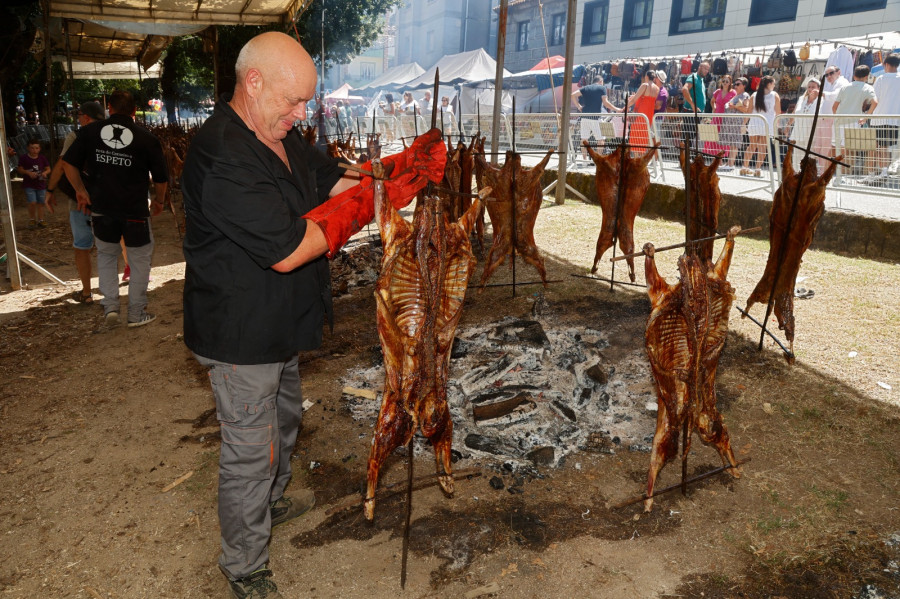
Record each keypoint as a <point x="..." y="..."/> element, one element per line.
<point x="563" y="155"/>
<point x="498" y="81"/>
<point x="6" y="212"/>
<point x="49" y="62"/>
<point x="216" y="83"/>
<point x="71" y="74"/>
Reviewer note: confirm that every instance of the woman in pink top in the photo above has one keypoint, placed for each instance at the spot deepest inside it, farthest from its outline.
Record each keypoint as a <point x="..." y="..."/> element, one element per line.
<point x="721" y="98"/>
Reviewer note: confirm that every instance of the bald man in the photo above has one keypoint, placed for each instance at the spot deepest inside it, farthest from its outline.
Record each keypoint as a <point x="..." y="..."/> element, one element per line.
<point x="257" y="286"/>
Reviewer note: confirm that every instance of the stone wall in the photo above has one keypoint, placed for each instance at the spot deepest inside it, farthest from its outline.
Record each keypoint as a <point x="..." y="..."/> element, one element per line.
<point x="841" y="232"/>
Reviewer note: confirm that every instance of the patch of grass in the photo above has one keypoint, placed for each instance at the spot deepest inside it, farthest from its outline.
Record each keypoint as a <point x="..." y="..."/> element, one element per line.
<point x="775" y="522"/>
<point x="811" y="413"/>
<point x="834" y="499"/>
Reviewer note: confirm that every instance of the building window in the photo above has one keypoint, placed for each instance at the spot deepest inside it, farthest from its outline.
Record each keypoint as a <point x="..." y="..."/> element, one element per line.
<point x="763" y="12"/>
<point x="558" y="35"/>
<point x="636" y="20"/>
<point x="594" y="28"/>
<point x="367" y="70"/>
<point x="842" y="7"/>
<point x="522" y="38"/>
<point x="690" y="16"/>
<point x="429" y="41"/>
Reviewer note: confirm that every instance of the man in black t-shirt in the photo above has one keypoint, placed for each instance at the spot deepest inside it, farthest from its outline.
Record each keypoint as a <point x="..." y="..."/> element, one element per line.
<point x="593" y="99"/>
<point x="262" y="207"/>
<point x="117" y="156"/>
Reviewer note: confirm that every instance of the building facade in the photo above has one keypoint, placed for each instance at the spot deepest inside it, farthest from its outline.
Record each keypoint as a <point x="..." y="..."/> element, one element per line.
<point x="612" y="29"/>
<point x="529" y="36"/>
<point x="428" y="30"/>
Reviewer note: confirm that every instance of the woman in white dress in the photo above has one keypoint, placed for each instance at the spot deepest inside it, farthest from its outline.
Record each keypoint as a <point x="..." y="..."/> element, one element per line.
<point x="806" y="104"/>
<point x="767" y="103"/>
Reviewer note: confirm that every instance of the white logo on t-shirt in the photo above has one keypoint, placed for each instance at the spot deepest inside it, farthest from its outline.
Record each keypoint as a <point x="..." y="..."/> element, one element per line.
<point x="116" y="136"/>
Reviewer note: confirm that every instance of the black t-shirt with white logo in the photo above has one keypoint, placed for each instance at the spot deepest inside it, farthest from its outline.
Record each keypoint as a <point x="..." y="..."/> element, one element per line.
<point x="117" y="156"/>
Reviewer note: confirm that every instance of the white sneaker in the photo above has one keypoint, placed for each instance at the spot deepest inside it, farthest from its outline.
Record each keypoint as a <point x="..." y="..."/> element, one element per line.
<point x="145" y="318"/>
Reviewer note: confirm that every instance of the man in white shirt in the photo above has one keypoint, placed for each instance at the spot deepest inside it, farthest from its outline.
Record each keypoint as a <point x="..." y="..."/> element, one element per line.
<point x="425" y="103"/>
<point x="834" y="81"/>
<point x="887" y="90"/>
<point x="850" y="100"/>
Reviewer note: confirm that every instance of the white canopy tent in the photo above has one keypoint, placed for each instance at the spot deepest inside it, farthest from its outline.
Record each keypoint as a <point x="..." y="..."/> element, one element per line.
<point x="108" y="70"/>
<point x="465" y="67"/>
<point x="394" y="77"/>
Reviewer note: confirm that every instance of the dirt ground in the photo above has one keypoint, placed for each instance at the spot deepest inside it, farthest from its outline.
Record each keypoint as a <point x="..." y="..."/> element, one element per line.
<point x="97" y="425"/>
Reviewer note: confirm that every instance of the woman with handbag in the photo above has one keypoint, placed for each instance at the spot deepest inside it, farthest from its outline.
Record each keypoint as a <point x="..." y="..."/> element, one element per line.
<point x="730" y="133"/>
<point x="721" y="97"/>
<point x="767" y="103"/>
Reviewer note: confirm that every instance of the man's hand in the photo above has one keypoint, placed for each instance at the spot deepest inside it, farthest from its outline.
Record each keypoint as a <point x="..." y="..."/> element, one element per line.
<point x="408" y="172"/>
<point x="84" y="201"/>
<point x="50" y="201"/>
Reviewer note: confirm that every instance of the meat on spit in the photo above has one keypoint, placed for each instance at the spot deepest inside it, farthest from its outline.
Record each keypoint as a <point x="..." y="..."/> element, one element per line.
<point x="478" y="149"/>
<point x="619" y="223"/>
<point x="419" y="295"/>
<point x="685" y="335"/>
<point x="458" y="179"/>
<point x="514" y="188"/>
<point x="705" y="201"/>
<point x="788" y="241"/>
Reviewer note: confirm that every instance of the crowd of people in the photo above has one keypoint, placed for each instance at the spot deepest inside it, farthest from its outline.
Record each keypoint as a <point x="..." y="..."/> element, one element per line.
<point x="744" y="137"/>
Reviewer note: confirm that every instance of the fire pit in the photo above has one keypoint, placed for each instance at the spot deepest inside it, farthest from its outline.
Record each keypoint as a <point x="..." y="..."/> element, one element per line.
<point x="525" y="391"/>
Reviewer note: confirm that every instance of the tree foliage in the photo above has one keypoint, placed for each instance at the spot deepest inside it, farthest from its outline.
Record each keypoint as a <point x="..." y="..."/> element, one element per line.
<point x="19" y="21"/>
<point x="351" y="26"/>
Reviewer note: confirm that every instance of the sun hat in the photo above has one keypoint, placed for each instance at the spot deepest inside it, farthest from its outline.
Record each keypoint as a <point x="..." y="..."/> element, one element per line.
<point x="661" y="75"/>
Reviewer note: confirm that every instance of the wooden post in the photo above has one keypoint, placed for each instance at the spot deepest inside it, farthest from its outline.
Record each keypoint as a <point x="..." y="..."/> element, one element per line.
<point x="498" y="81"/>
<point x="6" y="211"/>
<point x="562" y="157"/>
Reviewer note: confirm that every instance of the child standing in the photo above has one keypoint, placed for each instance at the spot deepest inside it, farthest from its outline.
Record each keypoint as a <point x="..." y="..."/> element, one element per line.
<point x="34" y="168"/>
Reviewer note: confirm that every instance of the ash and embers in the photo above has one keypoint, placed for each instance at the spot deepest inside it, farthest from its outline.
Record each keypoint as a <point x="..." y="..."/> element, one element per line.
<point x="527" y="392"/>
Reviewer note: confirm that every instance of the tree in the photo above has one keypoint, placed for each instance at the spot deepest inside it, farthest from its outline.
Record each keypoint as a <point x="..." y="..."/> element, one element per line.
<point x="18" y="27"/>
<point x="187" y="75"/>
<point x="351" y="26"/>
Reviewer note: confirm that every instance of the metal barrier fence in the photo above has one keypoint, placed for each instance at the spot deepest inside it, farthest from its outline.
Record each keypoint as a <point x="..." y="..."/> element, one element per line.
<point x="604" y="132"/>
<point x="869" y="144"/>
<point x="753" y="154"/>
<point x="734" y="134"/>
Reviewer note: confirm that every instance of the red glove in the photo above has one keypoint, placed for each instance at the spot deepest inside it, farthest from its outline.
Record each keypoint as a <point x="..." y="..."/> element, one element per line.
<point x="408" y="172"/>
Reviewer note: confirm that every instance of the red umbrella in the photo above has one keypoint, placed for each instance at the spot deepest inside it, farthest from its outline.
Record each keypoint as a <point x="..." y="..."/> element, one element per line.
<point x="555" y="62"/>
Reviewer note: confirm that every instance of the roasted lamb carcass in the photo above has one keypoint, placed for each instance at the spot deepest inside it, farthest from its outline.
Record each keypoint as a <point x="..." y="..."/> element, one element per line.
<point x="705" y="201"/>
<point x="458" y="178"/>
<point x="419" y="295"/>
<point x="340" y="148"/>
<point x="477" y="146"/>
<point x="685" y="335"/>
<point x="373" y="145"/>
<point x="788" y="242"/>
<point x="516" y="188"/>
<point x="618" y="220"/>
<point x="309" y="134"/>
